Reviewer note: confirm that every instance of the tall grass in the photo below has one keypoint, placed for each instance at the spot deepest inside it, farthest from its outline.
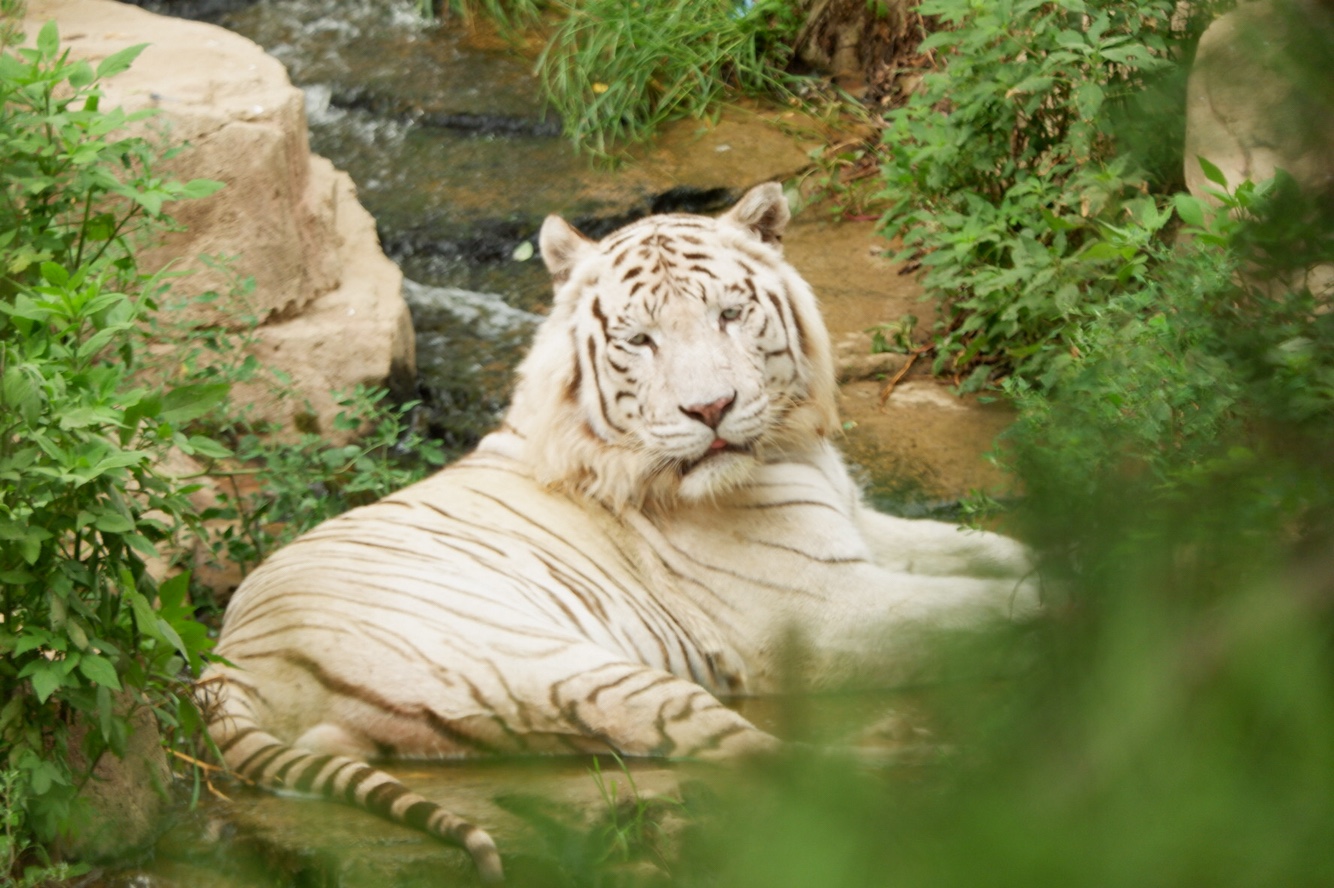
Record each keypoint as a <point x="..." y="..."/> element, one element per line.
<point x="508" y="15"/>
<point x="614" y="70"/>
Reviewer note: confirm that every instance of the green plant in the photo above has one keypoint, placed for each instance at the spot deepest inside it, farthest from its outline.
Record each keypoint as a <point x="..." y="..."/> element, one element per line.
<point x="87" y="634"/>
<point x="509" y="15"/>
<point x="276" y="489"/>
<point x="23" y="865"/>
<point x="1003" y="176"/>
<point x="1211" y="358"/>
<point x="273" y="483"/>
<point x="631" y="826"/>
<point x="614" y="71"/>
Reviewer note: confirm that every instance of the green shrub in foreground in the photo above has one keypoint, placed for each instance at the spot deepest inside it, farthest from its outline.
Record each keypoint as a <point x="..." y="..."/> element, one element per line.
<point x="87" y="635"/>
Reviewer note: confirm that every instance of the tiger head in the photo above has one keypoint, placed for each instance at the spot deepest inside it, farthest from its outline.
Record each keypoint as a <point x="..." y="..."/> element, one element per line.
<point x="681" y="352"/>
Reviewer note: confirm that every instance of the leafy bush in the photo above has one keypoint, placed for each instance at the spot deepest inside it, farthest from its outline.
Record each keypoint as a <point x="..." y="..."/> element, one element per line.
<point x="1219" y="364"/>
<point x="88" y="416"/>
<point x="87" y="635"/>
<point x="273" y="483"/>
<point x="1004" y="180"/>
<point x="614" y="71"/>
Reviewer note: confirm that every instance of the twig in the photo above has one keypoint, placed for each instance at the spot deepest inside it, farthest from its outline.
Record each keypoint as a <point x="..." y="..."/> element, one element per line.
<point x="903" y="371"/>
<point x="194" y="761"/>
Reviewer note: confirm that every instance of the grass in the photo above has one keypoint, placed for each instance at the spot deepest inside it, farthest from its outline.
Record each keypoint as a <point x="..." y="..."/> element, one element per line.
<point x="614" y="71"/>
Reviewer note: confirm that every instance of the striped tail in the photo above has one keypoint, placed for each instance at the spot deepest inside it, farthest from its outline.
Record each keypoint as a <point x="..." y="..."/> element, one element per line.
<point x="257" y="755"/>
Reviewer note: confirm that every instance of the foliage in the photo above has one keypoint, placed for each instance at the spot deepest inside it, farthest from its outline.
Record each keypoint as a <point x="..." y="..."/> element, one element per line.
<point x="87" y="634"/>
<point x="275" y="483"/>
<point x="1219" y="363"/>
<point x="508" y="14"/>
<point x="1003" y="177"/>
<point x="614" y="71"/>
<point x="291" y="486"/>
<point x="16" y="850"/>
<point x="633" y="834"/>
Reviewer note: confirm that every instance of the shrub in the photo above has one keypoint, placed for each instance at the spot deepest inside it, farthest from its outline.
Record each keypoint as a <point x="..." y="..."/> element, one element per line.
<point x="87" y="635"/>
<point x="291" y="486"/>
<point x="1004" y="180"/>
<point x="1218" y="364"/>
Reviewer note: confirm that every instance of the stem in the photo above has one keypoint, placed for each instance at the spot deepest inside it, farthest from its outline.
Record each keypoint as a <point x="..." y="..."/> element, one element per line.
<point x="115" y="233"/>
<point x="83" y="228"/>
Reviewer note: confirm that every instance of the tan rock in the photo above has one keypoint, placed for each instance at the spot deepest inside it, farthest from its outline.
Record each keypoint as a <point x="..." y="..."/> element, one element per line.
<point x="126" y="798"/>
<point x="1256" y="104"/>
<point x="328" y="301"/>
<point x="1250" y="110"/>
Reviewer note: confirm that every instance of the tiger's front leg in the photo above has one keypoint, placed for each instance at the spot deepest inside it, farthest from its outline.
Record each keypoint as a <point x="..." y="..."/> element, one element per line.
<point x="935" y="548"/>
<point x="637" y="710"/>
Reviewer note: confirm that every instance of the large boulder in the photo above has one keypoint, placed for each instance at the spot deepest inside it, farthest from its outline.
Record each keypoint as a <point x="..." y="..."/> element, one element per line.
<point x="328" y="301"/>
<point x="1260" y="100"/>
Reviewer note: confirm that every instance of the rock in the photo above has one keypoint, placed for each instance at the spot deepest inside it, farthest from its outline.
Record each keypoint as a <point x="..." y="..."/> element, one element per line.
<point x="1258" y="101"/>
<point x="1250" y="109"/>
<point x="328" y="301"/>
<point x="126" y="797"/>
<point x="854" y="358"/>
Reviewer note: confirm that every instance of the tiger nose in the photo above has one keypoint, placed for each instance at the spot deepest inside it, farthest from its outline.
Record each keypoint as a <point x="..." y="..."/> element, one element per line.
<point x="710" y="414"/>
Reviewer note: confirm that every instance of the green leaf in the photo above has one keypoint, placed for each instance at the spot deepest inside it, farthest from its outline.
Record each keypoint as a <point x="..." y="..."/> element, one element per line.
<point x="119" y="61"/>
<point x="141" y="544"/>
<point x="45" y="682"/>
<point x="1088" y="99"/>
<point x="144" y="617"/>
<point x="151" y="201"/>
<point x="80" y="75"/>
<point x="31" y="549"/>
<point x="1099" y="251"/>
<point x="113" y="522"/>
<point x="188" y="402"/>
<point x="1211" y="172"/>
<point x="1189" y="208"/>
<point x="171" y="592"/>
<point x="208" y="447"/>
<point x="54" y="274"/>
<point x="48" y="40"/>
<point x="20" y="392"/>
<point x="1033" y="84"/>
<point x="197" y="188"/>
<point x="168" y="632"/>
<point x="99" y="671"/>
<point x="83" y="417"/>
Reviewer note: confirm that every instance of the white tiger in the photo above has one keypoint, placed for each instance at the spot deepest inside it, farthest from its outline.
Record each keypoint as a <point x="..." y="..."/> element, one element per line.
<point x="661" y="507"/>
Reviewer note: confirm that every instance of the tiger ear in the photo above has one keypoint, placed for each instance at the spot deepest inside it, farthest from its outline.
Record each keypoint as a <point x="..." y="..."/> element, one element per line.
<point x="561" y="244"/>
<point x="763" y="211"/>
